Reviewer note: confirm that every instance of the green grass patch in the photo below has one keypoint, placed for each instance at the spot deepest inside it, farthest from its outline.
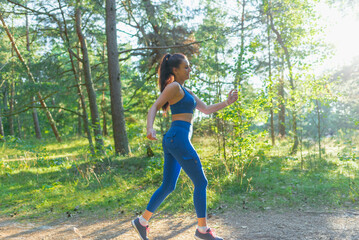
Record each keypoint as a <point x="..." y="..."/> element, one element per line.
<point x="50" y="185"/>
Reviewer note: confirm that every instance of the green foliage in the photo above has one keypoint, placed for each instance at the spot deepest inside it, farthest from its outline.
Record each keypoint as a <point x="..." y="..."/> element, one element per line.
<point x="349" y="152"/>
<point x="245" y="143"/>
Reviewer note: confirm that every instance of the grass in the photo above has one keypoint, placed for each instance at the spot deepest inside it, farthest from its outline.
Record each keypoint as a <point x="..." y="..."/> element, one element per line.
<point x="52" y="186"/>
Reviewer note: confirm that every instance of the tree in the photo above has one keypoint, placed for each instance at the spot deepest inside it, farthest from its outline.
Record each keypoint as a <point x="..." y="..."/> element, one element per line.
<point x="2" y="133"/>
<point x="291" y="80"/>
<point x="271" y="93"/>
<point x="32" y="99"/>
<point x="95" y="117"/>
<point x="118" y="116"/>
<point x="289" y="21"/>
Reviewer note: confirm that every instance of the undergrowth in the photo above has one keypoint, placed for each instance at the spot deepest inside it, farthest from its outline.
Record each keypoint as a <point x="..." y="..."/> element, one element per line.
<point x="57" y="180"/>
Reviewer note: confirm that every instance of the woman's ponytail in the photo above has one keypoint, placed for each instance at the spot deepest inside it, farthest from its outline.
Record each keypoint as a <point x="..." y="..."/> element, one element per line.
<point x="164" y="72"/>
<point x="165" y="75"/>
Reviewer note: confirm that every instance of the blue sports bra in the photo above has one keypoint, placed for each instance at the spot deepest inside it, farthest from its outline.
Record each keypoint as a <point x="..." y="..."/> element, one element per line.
<point x="186" y="105"/>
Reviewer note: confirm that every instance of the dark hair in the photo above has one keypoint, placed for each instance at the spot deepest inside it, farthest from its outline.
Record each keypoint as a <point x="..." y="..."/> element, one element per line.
<point x="165" y="74"/>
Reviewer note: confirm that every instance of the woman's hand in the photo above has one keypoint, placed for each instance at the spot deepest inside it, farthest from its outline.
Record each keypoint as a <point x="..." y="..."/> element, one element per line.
<point x="151" y="134"/>
<point x="232" y="96"/>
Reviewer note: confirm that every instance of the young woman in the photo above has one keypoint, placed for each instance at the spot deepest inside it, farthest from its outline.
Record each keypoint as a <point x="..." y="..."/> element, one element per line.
<point x="178" y="150"/>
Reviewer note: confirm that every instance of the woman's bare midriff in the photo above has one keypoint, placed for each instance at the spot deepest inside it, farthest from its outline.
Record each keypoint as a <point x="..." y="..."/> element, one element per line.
<point x="188" y="117"/>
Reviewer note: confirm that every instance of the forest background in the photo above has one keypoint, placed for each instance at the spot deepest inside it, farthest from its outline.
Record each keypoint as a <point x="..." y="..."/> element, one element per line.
<point x="78" y="77"/>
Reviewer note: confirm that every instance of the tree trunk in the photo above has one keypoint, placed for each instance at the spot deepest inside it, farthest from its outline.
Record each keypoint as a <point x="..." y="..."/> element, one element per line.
<point x="281" y="106"/>
<point x="5" y="99"/>
<point x="6" y="95"/>
<point x="291" y="80"/>
<point x="217" y="98"/>
<point x="224" y="140"/>
<point x="77" y="74"/>
<point x="85" y="118"/>
<point x="95" y="117"/>
<point x="11" y="104"/>
<point x="84" y="115"/>
<point x="19" y="126"/>
<point x="319" y="130"/>
<point x="43" y="104"/>
<point x="104" y="118"/>
<point x="36" y="120"/>
<point x="11" y="100"/>
<point x="270" y="84"/>
<point x="27" y="32"/>
<point x="79" y="119"/>
<point x="32" y="99"/>
<point x="118" y="115"/>
<point x="239" y="73"/>
<point x="2" y="134"/>
<point x="295" y="133"/>
<point x="103" y="102"/>
<point x="19" y="123"/>
<point x="272" y="123"/>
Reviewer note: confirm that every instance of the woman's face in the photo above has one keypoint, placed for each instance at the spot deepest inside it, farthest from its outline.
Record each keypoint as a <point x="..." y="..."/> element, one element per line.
<point x="182" y="72"/>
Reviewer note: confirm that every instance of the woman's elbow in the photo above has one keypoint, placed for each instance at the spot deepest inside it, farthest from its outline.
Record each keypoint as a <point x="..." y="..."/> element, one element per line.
<point x="153" y="108"/>
<point x="206" y="111"/>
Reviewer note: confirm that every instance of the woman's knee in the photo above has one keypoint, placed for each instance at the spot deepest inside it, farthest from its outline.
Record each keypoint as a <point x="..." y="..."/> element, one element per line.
<point x="201" y="183"/>
<point x="169" y="187"/>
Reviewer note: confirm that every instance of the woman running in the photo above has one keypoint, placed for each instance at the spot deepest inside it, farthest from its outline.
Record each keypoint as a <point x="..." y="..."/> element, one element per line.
<point x="177" y="147"/>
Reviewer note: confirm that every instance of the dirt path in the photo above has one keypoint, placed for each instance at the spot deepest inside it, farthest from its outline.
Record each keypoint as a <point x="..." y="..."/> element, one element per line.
<point x="230" y="225"/>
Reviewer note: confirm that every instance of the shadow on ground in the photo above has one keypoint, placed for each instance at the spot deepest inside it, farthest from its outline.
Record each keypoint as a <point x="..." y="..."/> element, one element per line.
<point x="236" y="225"/>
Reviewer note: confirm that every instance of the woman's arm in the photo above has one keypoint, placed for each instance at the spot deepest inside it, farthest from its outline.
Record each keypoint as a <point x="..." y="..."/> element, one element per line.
<point x="208" y="109"/>
<point x="170" y="91"/>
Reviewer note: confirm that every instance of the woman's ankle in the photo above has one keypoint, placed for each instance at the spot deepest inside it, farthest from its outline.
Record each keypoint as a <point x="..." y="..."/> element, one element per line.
<point x="143" y="221"/>
<point x="202" y="229"/>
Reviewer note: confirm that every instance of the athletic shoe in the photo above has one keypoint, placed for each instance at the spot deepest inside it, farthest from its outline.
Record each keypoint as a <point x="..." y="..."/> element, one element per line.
<point x="209" y="235"/>
<point x="140" y="229"/>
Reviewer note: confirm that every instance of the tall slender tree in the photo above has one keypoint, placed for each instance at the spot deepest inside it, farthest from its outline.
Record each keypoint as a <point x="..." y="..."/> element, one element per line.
<point x="118" y="114"/>
<point x="32" y="99"/>
<point x="95" y="117"/>
<point x="291" y="81"/>
<point x="12" y="101"/>
<point x="271" y="111"/>
<point x="2" y="133"/>
<point x="240" y="62"/>
<point x="281" y="106"/>
<point x="287" y="20"/>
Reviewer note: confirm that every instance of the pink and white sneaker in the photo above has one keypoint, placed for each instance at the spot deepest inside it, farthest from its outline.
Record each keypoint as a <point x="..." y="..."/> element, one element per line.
<point x="209" y="235"/>
<point x="141" y="230"/>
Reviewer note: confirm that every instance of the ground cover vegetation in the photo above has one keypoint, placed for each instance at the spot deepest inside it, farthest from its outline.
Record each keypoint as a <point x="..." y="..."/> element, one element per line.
<point x="49" y="185"/>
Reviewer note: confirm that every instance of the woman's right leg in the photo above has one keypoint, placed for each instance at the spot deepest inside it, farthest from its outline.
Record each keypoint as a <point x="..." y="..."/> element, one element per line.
<point x="171" y="171"/>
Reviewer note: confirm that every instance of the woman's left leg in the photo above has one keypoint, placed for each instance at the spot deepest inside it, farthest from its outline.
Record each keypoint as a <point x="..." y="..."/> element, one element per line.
<point x="171" y="171"/>
<point x="189" y="161"/>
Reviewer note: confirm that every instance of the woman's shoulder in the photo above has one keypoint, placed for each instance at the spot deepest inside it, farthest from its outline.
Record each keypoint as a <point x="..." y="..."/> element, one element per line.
<point x="173" y="86"/>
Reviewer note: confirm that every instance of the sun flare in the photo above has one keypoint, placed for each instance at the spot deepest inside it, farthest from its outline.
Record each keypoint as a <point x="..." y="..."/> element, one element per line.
<point x="342" y="32"/>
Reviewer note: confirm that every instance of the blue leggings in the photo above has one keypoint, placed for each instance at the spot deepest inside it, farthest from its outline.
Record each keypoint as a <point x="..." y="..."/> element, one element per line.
<point x="179" y="153"/>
